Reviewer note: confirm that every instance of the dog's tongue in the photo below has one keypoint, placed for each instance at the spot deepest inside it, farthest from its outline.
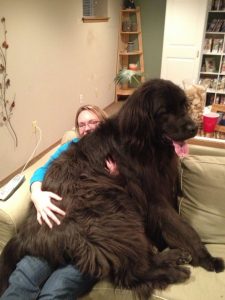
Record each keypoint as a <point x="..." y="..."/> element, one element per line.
<point x="181" y="148"/>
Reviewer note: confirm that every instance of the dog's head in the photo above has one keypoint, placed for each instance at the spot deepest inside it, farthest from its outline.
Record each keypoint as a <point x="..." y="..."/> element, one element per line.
<point x="159" y="108"/>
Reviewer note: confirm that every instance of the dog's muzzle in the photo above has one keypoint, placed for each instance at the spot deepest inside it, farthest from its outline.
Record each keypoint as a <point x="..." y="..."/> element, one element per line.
<point x="192" y="129"/>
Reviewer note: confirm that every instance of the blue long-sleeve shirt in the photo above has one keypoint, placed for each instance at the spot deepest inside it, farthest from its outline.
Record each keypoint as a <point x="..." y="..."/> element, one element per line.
<point x="39" y="174"/>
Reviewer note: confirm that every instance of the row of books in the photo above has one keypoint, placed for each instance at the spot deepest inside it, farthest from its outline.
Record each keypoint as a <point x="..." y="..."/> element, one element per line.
<point x="211" y="99"/>
<point x="218" y="5"/>
<point x="216" y="84"/>
<point x="216" y="25"/>
<point x="213" y="45"/>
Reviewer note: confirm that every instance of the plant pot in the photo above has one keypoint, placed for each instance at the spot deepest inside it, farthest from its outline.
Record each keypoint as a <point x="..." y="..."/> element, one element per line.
<point x="124" y="86"/>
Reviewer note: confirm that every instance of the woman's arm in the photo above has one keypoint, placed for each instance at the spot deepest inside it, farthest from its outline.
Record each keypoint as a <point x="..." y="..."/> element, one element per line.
<point x="46" y="210"/>
<point x="39" y="174"/>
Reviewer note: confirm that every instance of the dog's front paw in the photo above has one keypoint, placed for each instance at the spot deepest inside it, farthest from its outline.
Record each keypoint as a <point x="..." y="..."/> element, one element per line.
<point x="215" y="264"/>
<point x="218" y="264"/>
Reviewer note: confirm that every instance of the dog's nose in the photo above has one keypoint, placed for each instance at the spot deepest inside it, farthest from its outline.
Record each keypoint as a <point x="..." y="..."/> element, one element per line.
<point x="192" y="128"/>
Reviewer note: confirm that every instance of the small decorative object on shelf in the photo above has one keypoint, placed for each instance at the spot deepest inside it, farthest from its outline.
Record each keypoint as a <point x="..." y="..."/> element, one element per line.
<point x="126" y="26"/>
<point x="129" y="4"/>
<point x="6" y="105"/>
<point x="133" y="67"/>
<point x="130" y="46"/>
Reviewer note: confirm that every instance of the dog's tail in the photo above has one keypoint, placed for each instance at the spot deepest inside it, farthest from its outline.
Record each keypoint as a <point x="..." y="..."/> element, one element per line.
<point x="11" y="254"/>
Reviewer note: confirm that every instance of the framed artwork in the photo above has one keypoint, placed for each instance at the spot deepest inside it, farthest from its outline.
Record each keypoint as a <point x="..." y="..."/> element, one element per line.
<point x="210" y="64"/>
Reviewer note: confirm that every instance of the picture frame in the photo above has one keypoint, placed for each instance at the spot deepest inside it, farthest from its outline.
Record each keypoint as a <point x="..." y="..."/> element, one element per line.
<point x="210" y="64"/>
<point x="220" y="109"/>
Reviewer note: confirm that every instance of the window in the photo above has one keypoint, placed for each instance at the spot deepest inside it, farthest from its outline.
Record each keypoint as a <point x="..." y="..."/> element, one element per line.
<point x="95" y="11"/>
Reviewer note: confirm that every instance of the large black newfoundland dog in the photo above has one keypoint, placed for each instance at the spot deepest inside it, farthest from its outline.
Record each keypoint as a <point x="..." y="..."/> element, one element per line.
<point x="116" y="226"/>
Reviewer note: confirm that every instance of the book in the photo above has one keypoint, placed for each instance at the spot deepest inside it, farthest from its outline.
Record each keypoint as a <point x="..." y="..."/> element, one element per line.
<point x="210" y="64"/>
<point x="222" y="5"/>
<point x="207" y="48"/>
<point x="218" y="25"/>
<point x="223" y="66"/>
<point x="217" y="46"/>
<point x="215" y="4"/>
<point x="222" y="29"/>
<point x="211" y="25"/>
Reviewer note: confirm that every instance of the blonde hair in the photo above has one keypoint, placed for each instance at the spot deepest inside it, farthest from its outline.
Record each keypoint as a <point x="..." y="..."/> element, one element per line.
<point x="101" y="114"/>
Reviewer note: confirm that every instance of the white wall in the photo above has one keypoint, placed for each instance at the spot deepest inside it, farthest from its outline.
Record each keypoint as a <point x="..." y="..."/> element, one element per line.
<point x="53" y="57"/>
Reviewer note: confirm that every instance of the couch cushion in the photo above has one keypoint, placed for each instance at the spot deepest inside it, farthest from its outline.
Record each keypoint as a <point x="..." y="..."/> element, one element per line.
<point x="203" y="202"/>
<point x="202" y="285"/>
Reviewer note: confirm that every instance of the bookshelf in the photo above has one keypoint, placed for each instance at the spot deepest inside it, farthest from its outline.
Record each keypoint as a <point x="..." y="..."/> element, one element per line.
<point x="212" y="70"/>
<point x="130" y="48"/>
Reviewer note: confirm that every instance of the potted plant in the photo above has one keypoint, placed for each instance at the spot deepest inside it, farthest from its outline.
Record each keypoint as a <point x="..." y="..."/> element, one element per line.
<point x="126" y="78"/>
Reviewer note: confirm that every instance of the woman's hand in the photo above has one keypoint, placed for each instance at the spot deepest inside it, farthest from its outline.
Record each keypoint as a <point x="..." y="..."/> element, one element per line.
<point x="46" y="210"/>
<point x="111" y="167"/>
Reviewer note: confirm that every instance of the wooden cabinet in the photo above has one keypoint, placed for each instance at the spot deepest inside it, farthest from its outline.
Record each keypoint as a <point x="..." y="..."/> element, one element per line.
<point x="130" y="48"/>
<point x="212" y="71"/>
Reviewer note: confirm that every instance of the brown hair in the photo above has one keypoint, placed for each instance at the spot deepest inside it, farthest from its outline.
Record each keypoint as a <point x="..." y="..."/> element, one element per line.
<point x="101" y="114"/>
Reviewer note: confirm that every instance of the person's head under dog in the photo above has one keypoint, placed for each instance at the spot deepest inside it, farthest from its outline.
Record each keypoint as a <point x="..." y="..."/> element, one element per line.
<point x="88" y="117"/>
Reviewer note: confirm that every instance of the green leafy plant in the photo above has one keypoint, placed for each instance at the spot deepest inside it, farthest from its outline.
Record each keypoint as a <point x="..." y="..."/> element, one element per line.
<point x="126" y="76"/>
<point x="6" y="105"/>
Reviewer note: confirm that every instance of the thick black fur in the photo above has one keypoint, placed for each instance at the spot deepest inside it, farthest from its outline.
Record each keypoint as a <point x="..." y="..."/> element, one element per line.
<point x="116" y="226"/>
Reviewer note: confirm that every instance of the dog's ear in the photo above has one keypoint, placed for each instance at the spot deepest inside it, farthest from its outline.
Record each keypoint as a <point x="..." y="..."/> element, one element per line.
<point x="136" y="117"/>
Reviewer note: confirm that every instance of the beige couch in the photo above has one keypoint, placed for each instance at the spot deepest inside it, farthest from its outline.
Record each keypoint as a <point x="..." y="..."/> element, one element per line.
<point x="203" y="205"/>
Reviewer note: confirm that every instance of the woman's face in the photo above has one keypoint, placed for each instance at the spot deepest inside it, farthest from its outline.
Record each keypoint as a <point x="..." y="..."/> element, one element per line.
<point x="87" y="122"/>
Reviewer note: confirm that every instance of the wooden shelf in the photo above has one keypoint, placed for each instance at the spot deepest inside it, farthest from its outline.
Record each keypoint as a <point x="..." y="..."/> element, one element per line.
<point x="124" y="58"/>
<point x="125" y="92"/>
<point x="130" y="32"/>
<point x="130" y="53"/>
<point x="131" y="10"/>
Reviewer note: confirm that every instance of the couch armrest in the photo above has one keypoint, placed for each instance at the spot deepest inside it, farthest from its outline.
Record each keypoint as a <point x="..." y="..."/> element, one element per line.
<point x="14" y="210"/>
